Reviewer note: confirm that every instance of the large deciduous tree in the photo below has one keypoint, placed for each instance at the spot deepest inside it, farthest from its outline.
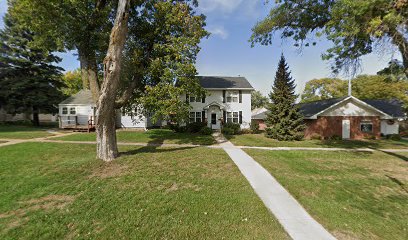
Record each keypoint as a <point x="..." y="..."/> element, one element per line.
<point x="354" y="27"/>
<point x="150" y="56"/>
<point x="363" y="87"/>
<point x="29" y="80"/>
<point x="284" y="121"/>
<point x="258" y="100"/>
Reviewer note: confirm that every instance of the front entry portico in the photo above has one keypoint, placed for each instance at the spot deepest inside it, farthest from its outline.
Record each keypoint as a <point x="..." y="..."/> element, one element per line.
<point x="214" y="115"/>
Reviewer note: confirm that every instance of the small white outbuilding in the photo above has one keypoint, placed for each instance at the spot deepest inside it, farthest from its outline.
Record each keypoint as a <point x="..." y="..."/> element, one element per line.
<point x="79" y="110"/>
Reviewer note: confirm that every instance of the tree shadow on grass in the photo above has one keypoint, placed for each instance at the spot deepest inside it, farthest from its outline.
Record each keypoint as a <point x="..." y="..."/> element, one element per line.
<point x="158" y="136"/>
<point x="402" y="157"/>
<point x="153" y="149"/>
<point x="398" y="182"/>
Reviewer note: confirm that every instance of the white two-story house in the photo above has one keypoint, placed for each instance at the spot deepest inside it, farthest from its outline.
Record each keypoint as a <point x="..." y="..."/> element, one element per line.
<point x="228" y="100"/>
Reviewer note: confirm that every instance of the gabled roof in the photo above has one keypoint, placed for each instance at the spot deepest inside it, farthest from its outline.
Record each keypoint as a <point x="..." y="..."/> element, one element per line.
<point x="312" y="108"/>
<point x="391" y="107"/>
<point x="83" y="97"/>
<point x="214" y="82"/>
<point x="259" y="113"/>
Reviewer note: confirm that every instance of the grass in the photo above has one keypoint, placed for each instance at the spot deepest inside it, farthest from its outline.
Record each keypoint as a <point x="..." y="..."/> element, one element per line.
<point x="259" y="140"/>
<point x="23" y="132"/>
<point x="355" y="195"/>
<point x="59" y="191"/>
<point x="158" y="136"/>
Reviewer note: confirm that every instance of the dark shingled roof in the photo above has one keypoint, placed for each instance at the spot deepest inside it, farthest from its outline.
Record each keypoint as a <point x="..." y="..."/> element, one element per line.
<point x="311" y="108"/>
<point x="83" y="97"/>
<point x="390" y="107"/>
<point x="224" y="82"/>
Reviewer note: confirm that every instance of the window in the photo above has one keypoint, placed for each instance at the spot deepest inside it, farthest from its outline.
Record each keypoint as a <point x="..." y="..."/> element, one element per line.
<point x="232" y="117"/>
<point x="64" y="110"/>
<point x="232" y="96"/>
<point x="195" y="99"/>
<point x="366" y="127"/>
<point x="195" y="117"/>
<point x="72" y="110"/>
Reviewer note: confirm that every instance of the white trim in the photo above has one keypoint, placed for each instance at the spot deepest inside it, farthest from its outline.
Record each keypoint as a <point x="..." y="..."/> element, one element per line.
<point x="355" y="99"/>
<point x="222" y="107"/>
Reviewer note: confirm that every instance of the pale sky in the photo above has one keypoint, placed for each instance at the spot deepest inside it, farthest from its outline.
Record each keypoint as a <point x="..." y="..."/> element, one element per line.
<point x="228" y="53"/>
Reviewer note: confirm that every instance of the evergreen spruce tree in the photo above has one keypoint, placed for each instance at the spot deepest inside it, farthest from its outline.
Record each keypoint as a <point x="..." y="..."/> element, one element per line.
<point x="284" y="121"/>
<point x="29" y="82"/>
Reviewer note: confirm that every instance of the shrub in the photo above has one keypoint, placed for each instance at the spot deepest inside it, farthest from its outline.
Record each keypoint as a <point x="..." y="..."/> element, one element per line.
<point x="177" y="128"/>
<point x="394" y="137"/>
<point x="246" y="131"/>
<point x="231" y="128"/>
<point x="255" y="128"/>
<point x="316" y="136"/>
<point x="206" y="131"/>
<point x="335" y="138"/>
<point x="228" y="131"/>
<point x="195" y="127"/>
<point x="370" y="137"/>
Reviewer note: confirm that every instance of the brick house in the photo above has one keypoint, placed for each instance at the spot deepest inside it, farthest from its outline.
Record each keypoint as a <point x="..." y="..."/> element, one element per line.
<point x="352" y="118"/>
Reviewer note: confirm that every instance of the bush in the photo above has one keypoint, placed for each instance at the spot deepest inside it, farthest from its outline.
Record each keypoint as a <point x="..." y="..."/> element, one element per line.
<point x="335" y="138"/>
<point x="195" y="127"/>
<point x="394" y="137"/>
<point x="370" y="137"/>
<point x="255" y="128"/>
<point x="177" y="128"/>
<point x="246" y="131"/>
<point x="206" y="131"/>
<point x="231" y="128"/>
<point x="316" y="136"/>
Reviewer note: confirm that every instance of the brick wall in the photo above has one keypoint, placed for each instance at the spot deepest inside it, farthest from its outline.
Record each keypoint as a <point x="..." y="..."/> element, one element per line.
<point x="330" y="126"/>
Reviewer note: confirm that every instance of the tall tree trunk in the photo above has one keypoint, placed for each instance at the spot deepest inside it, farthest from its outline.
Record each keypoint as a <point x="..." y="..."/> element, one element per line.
<point x="36" y="118"/>
<point x="107" y="149"/>
<point x="401" y="41"/>
<point x="84" y="68"/>
<point x="93" y="76"/>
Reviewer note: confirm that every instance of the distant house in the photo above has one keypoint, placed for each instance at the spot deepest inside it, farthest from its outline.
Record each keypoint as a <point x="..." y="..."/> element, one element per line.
<point x="228" y="100"/>
<point x="352" y="118"/>
<point x="43" y="117"/>
<point x="258" y="116"/>
<point x="348" y="118"/>
<point x="79" y="110"/>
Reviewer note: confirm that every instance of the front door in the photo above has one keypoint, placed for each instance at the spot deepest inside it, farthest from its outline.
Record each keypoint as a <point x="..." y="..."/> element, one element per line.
<point x="346" y="129"/>
<point x="214" y="121"/>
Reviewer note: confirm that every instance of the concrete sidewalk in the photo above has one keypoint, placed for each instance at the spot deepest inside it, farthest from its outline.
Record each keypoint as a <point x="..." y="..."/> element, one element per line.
<point x="291" y="215"/>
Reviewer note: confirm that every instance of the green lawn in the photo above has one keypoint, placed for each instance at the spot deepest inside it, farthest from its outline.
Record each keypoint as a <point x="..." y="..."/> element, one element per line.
<point x="59" y="191"/>
<point x="23" y="132"/>
<point x="259" y="140"/>
<point x="355" y="195"/>
<point x="151" y="136"/>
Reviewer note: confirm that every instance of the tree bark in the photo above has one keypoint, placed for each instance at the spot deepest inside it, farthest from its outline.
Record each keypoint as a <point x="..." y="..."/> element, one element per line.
<point x="107" y="149"/>
<point x="402" y="43"/>
<point x="93" y="76"/>
<point x="36" y="118"/>
<point x="84" y="66"/>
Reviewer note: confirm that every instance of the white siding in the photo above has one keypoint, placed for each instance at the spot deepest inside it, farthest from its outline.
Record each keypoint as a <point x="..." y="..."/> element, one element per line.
<point x="387" y="128"/>
<point x="350" y="109"/>
<point x="128" y="121"/>
<point x="83" y="113"/>
<point x="217" y="96"/>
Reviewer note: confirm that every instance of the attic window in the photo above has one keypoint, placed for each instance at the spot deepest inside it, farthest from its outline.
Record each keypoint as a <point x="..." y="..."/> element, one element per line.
<point x="366" y="127"/>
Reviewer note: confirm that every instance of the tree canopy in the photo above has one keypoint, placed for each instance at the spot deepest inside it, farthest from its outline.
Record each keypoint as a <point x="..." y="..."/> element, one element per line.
<point x="258" y="100"/>
<point x="72" y="81"/>
<point x="355" y="28"/>
<point x="29" y="80"/>
<point x="363" y="87"/>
